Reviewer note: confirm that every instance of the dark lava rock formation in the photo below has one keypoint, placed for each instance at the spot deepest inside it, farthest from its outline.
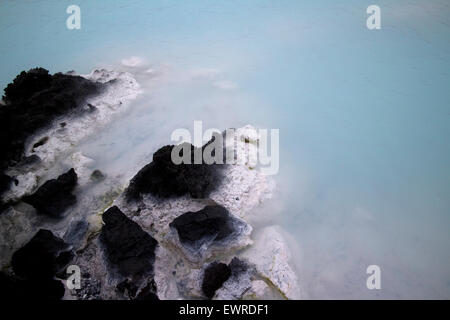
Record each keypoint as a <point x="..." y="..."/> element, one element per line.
<point x="32" y="101"/>
<point x="148" y="293"/>
<point x="215" y="275"/>
<point x="129" y="250"/>
<point x="211" y="223"/>
<point x="55" y="195"/>
<point x="14" y="288"/>
<point x="35" y="266"/>
<point x="42" y="257"/>
<point x="164" y="179"/>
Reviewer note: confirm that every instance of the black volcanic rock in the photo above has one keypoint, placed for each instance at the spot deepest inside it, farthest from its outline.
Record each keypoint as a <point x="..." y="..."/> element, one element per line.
<point x="42" y="257"/>
<point x="35" y="266"/>
<point x="212" y="222"/>
<point x="32" y="101"/>
<point x="215" y="275"/>
<point x="161" y="177"/>
<point x="164" y="179"/>
<point x="55" y="195"/>
<point x="5" y="182"/>
<point x="14" y="288"/>
<point x="148" y="293"/>
<point x="129" y="250"/>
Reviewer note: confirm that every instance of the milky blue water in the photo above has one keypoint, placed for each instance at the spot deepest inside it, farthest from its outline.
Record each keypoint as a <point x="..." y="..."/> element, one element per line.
<point x="364" y="115"/>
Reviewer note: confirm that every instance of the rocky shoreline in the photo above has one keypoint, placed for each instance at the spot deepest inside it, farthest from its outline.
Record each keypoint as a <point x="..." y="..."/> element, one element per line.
<point x="173" y="232"/>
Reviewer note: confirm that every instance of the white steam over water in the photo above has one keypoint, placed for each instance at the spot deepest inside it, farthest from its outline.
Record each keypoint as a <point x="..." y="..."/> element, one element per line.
<point x="170" y="99"/>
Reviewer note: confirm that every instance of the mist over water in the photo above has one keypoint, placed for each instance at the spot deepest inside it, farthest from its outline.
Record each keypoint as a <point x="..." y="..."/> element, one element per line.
<point x="363" y="116"/>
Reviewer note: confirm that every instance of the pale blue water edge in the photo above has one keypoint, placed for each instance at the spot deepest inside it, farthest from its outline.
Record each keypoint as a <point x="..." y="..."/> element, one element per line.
<point x="364" y="116"/>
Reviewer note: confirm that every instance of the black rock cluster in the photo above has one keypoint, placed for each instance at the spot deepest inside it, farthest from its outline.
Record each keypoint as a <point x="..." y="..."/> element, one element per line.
<point x="55" y="195"/>
<point x="211" y="223"/>
<point x="129" y="250"/>
<point x="164" y="179"/>
<point x="32" y="101"/>
<point x="35" y="266"/>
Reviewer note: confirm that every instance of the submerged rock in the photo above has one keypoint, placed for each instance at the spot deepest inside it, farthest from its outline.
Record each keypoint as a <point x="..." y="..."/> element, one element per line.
<point x="209" y="232"/>
<point x="129" y="250"/>
<point x="215" y="275"/>
<point x="97" y="176"/>
<point x="164" y="179"/>
<point x="55" y="195"/>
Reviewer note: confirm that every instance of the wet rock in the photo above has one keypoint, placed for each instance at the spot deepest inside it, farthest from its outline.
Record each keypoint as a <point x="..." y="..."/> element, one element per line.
<point x="211" y="223"/>
<point x="164" y="179"/>
<point x="97" y="176"/>
<point x="42" y="257"/>
<point x="129" y="250"/>
<point x="215" y="275"/>
<point x="55" y="195"/>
